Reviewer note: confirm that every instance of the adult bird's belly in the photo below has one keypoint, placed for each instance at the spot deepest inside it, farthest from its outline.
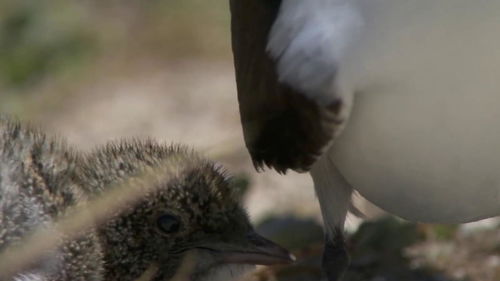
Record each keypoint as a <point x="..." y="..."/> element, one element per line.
<point x="423" y="139"/>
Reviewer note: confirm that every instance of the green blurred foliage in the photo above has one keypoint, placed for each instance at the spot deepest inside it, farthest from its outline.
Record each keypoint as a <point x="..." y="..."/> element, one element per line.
<point x="386" y="236"/>
<point x="443" y="232"/>
<point x="175" y="29"/>
<point x="50" y="37"/>
<point x="40" y="37"/>
<point x="292" y="232"/>
<point x="51" y="50"/>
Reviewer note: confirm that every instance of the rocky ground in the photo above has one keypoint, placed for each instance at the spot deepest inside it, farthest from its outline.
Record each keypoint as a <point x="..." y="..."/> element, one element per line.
<point x="388" y="249"/>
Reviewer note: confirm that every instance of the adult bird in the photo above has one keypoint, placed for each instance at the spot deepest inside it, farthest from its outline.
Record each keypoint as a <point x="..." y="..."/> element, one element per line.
<point x="398" y="100"/>
<point x="186" y="209"/>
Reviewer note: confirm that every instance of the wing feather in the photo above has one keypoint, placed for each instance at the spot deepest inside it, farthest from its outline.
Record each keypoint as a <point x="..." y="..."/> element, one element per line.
<point x="283" y="127"/>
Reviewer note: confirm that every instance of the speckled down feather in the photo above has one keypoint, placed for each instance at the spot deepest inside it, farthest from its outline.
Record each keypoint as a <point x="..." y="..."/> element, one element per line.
<point x="41" y="179"/>
<point x="36" y="186"/>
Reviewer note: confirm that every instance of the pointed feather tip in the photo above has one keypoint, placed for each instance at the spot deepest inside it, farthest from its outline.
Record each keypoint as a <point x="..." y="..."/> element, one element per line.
<point x="263" y="165"/>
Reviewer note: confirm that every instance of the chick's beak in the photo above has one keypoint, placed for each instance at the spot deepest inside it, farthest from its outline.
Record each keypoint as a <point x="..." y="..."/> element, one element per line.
<point x="254" y="250"/>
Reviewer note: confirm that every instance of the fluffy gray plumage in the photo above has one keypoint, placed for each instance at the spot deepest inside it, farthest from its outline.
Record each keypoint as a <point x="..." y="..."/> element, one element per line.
<point x="36" y="186"/>
<point x="201" y="197"/>
<point x="196" y="211"/>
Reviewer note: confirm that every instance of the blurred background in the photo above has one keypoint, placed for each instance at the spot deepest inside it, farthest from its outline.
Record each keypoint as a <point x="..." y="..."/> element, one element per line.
<point x="93" y="71"/>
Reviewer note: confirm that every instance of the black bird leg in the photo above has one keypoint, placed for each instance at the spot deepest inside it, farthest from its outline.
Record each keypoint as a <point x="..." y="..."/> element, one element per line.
<point x="335" y="257"/>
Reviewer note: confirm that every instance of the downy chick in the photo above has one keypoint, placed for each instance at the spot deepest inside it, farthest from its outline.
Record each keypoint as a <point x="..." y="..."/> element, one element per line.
<point x="197" y="211"/>
<point x="188" y="211"/>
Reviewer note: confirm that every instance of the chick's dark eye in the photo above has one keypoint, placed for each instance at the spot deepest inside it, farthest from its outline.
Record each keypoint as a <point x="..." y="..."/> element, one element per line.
<point x="168" y="224"/>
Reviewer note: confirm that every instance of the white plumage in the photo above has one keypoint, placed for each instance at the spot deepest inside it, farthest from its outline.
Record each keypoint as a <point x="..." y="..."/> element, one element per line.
<point x="308" y="38"/>
<point x="423" y="138"/>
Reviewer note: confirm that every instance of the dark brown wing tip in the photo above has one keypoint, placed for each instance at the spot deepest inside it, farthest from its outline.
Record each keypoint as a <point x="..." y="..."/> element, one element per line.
<point x="283" y="128"/>
<point x="294" y="137"/>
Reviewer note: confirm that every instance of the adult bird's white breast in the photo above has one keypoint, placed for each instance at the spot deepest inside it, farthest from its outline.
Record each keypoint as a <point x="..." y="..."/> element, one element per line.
<point x="423" y="138"/>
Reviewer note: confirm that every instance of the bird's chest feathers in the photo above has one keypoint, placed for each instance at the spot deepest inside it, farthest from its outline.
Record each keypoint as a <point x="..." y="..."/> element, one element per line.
<point x="423" y="132"/>
<point x="422" y="46"/>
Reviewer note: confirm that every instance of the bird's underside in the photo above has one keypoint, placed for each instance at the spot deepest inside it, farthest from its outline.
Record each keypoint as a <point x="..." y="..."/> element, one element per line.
<point x="423" y="140"/>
